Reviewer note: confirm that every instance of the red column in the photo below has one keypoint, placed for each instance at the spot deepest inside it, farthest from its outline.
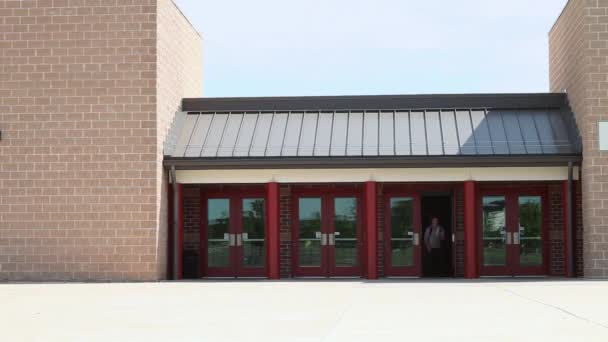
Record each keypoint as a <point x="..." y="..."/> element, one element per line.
<point x="371" y="226"/>
<point x="470" y="231"/>
<point x="273" y="234"/>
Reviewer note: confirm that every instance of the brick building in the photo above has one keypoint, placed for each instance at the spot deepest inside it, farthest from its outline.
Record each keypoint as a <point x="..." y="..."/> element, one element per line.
<point x="87" y="92"/>
<point x="112" y="168"/>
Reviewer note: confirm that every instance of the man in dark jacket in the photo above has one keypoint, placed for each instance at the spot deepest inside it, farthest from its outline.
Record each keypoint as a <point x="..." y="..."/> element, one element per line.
<point x="433" y="242"/>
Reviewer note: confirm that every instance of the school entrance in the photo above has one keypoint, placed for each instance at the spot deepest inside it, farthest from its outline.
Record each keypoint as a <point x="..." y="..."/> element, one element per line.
<point x="347" y="187"/>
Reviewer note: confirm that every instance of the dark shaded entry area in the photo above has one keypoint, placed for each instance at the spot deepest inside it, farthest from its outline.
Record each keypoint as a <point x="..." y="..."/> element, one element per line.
<point x="438" y="205"/>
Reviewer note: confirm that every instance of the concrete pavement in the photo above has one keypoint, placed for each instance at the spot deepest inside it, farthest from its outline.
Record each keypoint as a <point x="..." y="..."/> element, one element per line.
<point x="306" y="310"/>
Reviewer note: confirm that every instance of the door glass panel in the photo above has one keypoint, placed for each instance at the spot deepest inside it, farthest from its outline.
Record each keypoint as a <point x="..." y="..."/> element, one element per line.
<point x="494" y="231"/>
<point x="345" y="231"/>
<point x="218" y="221"/>
<point x="530" y="231"/>
<point x="253" y="232"/>
<point x="309" y="239"/>
<point x="402" y="225"/>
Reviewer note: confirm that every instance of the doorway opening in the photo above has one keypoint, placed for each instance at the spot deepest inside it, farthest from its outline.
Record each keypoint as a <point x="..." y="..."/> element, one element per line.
<point x="438" y="205"/>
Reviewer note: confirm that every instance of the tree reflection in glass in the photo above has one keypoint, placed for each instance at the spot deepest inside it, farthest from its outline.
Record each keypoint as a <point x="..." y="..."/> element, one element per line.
<point x="402" y="222"/>
<point x="345" y="226"/>
<point x="309" y="223"/>
<point x="494" y="231"/>
<point x="218" y="222"/>
<point x="254" y="232"/>
<point x="530" y="231"/>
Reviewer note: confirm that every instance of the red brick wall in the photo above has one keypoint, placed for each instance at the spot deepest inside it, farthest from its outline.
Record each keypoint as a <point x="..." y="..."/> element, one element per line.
<point x="381" y="223"/>
<point x="579" y="261"/>
<point x="285" y="222"/>
<point x="459" y="230"/>
<point x="556" y="230"/>
<point x="192" y="221"/>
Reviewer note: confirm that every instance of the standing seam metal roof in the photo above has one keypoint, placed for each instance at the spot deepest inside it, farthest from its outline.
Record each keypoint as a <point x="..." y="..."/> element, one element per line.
<point x="523" y="130"/>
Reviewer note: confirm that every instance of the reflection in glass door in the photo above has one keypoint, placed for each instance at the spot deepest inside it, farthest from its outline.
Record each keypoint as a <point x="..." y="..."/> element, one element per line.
<point x="343" y="239"/>
<point x="529" y="236"/>
<point x="310" y="233"/>
<point x="512" y="234"/>
<point x="251" y="237"/>
<point x="402" y="235"/>
<point x="234" y="235"/>
<point x="220" y="237"/>
<point x="494" y="233"/>
<point x="328" y="235"/>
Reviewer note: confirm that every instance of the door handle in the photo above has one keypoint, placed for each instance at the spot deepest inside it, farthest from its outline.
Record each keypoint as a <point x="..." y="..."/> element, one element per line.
<point x="508" y="238"/>
<point x="323" y="238"/>
<point x="331" y="239"/>
<point x="416" y="239"/>
<point x="516" y="238"/>
<point x="453" y="237"/>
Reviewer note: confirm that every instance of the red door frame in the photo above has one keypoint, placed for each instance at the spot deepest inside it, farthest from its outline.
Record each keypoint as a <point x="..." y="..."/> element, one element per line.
<point x="402" y="271"/>
<point x="415" y="190"/>
<point x="327" y="267"/>
<point x="511" y="194"/>
<point x="235" y="195"/>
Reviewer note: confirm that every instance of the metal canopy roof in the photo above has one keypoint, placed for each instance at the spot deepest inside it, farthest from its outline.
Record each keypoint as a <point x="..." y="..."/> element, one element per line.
<point x="260" y="128"/>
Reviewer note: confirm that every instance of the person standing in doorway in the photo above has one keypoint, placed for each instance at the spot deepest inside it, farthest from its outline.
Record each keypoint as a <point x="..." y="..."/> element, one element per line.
<point x="433" y="242"/>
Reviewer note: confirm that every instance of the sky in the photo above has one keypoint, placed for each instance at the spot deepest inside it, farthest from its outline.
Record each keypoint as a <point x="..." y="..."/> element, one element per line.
<point x="351" y="47"/>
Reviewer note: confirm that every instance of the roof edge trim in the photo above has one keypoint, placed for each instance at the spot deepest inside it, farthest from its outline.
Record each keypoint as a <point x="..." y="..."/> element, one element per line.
<point x="370" y="162"/>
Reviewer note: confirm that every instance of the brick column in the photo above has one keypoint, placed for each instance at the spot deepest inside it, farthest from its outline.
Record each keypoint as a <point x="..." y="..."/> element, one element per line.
<point x="470" y="231"/>
<point x="371" y="229"/>
<point x="273" y="233"/>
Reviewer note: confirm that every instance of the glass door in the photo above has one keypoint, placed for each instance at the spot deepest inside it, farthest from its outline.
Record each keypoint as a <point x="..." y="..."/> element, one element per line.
<point x="344" y="242"/>
<point x="251" y="238"/>
<point x="513" y="234"/>
<point x="327" y="234"/>
<point x="310" y="236"/>
<point x="495" y="236"/>
<point x="528" y="236"/>
<point x="220" y="237"/>
<point x="402" y="235"/>
<point x="233" y="241"/>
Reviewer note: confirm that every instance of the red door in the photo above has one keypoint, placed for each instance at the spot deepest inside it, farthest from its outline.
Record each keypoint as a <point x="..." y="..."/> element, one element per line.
<point x="402" y="234"/>
<point x="327" y="233"/>
<point x="513" y="234"/>
<point x="233" y="234"/>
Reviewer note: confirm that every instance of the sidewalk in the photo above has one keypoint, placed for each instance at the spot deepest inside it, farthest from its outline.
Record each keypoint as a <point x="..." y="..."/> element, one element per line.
<point x="292" y="310"/>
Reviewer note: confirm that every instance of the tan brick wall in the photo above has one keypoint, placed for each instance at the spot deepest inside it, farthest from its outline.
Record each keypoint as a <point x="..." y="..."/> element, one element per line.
<point x="79" y="155"/>
<point x="578" y="44"/>
<point x="179" y="73"/>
